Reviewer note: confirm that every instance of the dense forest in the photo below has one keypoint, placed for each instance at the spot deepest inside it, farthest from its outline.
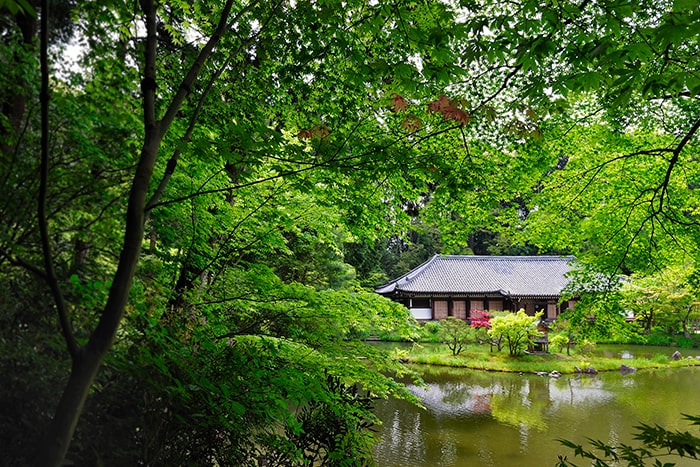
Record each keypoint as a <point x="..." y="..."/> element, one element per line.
<point x="198" y="198"/>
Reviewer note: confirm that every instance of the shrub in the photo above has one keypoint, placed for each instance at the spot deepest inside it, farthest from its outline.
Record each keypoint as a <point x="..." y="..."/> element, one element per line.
<point x="480" y="319"/>
<point x="456" y="334"/>
<point x="659" y="339"/>
<point x="432" y="327"/>
<point x="558" y="341"/>
<point x="517" y="329"/>
<point x="686" y="342"/>
<point x="586" y="347"/>
<point x="390" y="336"/>
<point x="430" y="332"/>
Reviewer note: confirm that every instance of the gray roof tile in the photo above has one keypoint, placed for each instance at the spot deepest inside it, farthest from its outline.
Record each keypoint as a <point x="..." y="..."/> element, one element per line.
<point x="511" y="275"/>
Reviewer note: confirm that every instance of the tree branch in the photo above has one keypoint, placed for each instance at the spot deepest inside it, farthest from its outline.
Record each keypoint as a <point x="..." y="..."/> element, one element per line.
<point x="674" y="160"/>
<point x="50" y="275"/>
<point x="172" y="162"/>
<point x="186" y="84"/>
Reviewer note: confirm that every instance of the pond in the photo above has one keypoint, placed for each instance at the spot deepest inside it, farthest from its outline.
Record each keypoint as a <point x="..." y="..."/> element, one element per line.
<point x="474" y="418"/>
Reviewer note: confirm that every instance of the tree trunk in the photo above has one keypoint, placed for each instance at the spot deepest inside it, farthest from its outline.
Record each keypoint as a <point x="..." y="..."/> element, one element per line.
<point x="684" y="322"/>
<point x="53" y="449"/>
<point x="87" y="359"/>
<point x="13" y="107"/>
<point x="649" y="320"/>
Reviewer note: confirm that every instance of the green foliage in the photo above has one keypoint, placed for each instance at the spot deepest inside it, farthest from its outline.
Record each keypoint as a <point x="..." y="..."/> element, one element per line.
<point x="687" y="343"/>
<point x="432" y="327"/>
<point x="558" y="341"/>
<point x="308" y="150"/>
<point x="586" y="347"/>
<point x="657" y="337"/>
<point x="666" y="299"/>
<point x="202" y="391"/>
<point x="598" y="315"/>
<point x="455" y="333"/>
<point x="430" y="331"/>
<point x="657" y="443"/>
<point x="335" y="431"/>
<point x="517" y="329"/>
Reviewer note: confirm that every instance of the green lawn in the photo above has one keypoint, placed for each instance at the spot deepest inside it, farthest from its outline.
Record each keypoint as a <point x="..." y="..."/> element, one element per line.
<point x="480" y="358"/>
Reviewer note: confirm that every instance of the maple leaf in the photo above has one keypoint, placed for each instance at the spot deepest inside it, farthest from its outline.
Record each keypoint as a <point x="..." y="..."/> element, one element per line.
<point x="305" y="134"/>
<point x="440" y="104"/>
<point x="450" y="109"/>
<point x="460" y="115"/>
<point x="411" y="123"/>
<point x="399" y="103"/>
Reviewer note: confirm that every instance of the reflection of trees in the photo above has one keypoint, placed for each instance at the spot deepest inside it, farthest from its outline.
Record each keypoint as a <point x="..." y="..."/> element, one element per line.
<point x="648" y="399"/>
<point x="522" y="403"/>
<point x="511" y="399"/>
<point x="451" y="400"/>
<point x="479" y="417"/>
<point x="403" y="429"/>
<point x="528" y="401"/>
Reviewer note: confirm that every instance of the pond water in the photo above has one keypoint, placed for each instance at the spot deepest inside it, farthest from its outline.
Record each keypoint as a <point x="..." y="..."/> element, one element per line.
<point x="474" y="418"/>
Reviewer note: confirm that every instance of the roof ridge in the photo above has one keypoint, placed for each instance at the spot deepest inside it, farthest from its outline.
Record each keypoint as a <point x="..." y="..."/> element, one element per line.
<point x="507" y="257"/>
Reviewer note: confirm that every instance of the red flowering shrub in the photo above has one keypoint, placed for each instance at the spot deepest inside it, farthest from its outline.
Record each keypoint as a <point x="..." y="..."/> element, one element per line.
<point x="480" y="319"/>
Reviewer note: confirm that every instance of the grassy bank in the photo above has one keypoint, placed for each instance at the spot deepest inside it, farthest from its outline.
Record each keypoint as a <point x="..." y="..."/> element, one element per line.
<point x="480" y="358"/>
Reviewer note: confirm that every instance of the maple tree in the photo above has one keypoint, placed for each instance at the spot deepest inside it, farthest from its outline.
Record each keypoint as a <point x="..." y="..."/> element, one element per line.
<point x="203" y="163"/>
<point x="518" y="330"/>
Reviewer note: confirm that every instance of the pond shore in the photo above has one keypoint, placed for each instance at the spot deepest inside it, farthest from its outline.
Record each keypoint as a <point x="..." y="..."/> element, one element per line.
<point x="537" y="363"/>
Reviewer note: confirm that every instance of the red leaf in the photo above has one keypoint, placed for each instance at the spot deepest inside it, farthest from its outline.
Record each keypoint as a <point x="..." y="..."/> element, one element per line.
<point x="457" y="114"/>
<point x="411" y="123"/>
<point x="450" y="110"/>
<point x="440" y="104"/>
<point x="399" y="103"/>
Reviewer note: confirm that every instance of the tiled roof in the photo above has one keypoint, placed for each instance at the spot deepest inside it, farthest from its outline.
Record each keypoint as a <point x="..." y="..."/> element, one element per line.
<point x="509" y="275"/>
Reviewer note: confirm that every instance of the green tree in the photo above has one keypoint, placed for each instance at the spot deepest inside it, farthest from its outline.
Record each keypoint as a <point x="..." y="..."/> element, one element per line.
<point x="455" y="333"/>
<point x="605" y="124"/>
<point x="519" y="330"/>
<point x="185" y="152"/>
<point x="666" y="299"/>
<point x="598" y="314"/>
<point x="227" y="103"/>
<point x="560" y="341"/>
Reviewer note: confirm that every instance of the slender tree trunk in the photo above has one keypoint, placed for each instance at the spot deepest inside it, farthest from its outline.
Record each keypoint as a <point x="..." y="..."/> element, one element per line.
<point x="684" y="322"/>
<point x="88" y="359"/>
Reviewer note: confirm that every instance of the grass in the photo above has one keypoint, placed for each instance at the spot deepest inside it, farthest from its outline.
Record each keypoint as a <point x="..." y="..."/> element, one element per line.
<point x="479" y="358"/>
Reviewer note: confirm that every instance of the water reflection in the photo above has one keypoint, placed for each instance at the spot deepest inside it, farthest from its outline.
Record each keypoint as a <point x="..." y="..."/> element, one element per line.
<point x="489" y="419"/>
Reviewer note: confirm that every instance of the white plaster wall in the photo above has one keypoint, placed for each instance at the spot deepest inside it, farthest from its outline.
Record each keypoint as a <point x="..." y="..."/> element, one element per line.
<point x="422" y="313"/>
